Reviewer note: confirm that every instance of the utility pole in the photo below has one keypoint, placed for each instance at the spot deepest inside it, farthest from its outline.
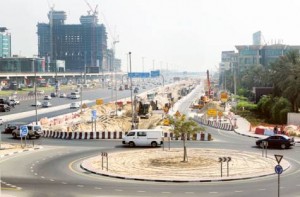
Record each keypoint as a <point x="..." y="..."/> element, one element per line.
<point x="132" y="117"/>
<point x="35" y="93"/>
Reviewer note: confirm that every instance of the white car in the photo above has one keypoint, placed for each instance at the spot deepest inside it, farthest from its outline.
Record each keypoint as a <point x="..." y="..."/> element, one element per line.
<point x="62" y="95"/>
<point x="46" y="104"/>
<point x="1" y="121"/>
<point x="38" y="103"/>
<point x="74" y="105"/>
<point x="15" y="101"/>
<point x="47" y="97"/>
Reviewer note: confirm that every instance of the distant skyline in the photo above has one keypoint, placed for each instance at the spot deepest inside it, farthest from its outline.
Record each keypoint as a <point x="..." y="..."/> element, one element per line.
<point x="185" y="35"/>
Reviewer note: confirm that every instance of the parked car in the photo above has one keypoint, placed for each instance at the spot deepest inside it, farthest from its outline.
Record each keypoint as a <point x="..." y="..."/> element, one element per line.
<point x="53" y="94"/>
<point x="33" y="131"/>
<point x="62" y="95"/>
<point x="4" y="108"/>
<point x="46" y="104"/>
<point x="47" y="97"/>
<point x="277" y="141"/>
<point x="1" y="121"/>
<point x="38" y="103"/>
<point x="13" y="125"/>
<point x="74" y="105"/>
<point x="14" y="101"/>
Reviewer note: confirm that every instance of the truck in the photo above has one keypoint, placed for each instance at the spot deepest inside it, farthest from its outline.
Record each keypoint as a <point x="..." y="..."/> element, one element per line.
<point x="143" y="110"/>
<point x="143" y="137"/>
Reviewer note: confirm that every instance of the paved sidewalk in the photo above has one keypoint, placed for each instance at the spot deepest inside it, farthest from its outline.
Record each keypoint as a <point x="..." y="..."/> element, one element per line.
<point x="243" y="127"/>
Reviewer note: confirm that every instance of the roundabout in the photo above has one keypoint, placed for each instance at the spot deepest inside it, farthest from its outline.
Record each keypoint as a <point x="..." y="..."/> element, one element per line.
<point x="203" y="165"/>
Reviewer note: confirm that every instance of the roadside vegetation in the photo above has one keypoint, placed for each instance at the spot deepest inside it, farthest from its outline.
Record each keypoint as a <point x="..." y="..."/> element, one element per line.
<point x="283" y="75"/>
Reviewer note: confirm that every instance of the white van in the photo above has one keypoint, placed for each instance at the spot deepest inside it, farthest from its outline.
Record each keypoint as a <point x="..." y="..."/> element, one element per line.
<point x="144" y="137"/>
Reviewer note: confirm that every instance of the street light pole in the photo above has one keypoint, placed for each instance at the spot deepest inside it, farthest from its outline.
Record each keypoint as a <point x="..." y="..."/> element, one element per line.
<point x="35" y="93"/>
<point x="132" y="117"/>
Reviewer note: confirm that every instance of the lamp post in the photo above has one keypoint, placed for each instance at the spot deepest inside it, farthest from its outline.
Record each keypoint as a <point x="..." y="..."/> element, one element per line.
<point x="132" y="117"/>
<point x="35" y="93"/>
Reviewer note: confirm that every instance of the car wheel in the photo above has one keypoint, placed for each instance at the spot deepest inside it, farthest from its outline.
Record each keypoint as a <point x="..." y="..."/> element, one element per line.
<point x="131" y="144"/>
<point x="153" y="144"/>
<point x="283" y="146"/>
<point x="37" y="137"/>
<point x="14" y="135"/>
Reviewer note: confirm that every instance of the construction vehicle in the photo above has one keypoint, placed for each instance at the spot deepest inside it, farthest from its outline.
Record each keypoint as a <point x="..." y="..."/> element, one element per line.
<point x="143" y="110"/>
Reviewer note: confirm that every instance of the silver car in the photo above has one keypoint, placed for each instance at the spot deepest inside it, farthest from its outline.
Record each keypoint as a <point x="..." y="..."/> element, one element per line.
<point x="33" y="131"/>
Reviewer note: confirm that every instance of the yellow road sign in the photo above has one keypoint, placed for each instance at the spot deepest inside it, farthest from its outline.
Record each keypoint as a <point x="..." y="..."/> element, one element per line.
<point x="212" y="112"/>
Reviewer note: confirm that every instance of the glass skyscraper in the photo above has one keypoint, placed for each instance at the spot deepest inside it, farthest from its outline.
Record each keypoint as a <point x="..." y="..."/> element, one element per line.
<point x="5" y="43"/>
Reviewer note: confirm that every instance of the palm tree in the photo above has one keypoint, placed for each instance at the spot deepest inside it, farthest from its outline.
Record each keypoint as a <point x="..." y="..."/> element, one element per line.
<point x="182" y="127"/>
<point x="286" y="77"/>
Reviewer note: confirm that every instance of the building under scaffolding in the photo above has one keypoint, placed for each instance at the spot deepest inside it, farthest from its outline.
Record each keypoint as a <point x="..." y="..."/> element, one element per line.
<point x="81" y="45"/>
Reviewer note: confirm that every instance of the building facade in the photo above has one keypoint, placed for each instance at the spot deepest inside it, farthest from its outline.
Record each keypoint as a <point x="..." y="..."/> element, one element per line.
<point x="5" y="43"/>
<point x="22" y="64"/>
<point x="82" y="46"/>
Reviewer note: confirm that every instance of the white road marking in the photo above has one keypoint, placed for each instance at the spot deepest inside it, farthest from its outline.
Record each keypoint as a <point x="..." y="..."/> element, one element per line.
<point x="213" y="192"/>
<point x="282" y="187"/>
<point x="141" y="191"/>
<point x="80" y="186"/>
<point x="165" y="192"/>
<point x="19" y="188"/>
<point x="33" y="164"/>
<point x="44" y="159"/>
<point x="63" y="183"/>
<point x="97" y="188"/>
<point x="118" y="190"/>
<point x="51" y="180"/>
<point x="42" y="177"/>
<point x="189" y="192"/>
<point x="238" y="191"/>
<point x="35" y="174"/>
<point x="37" y="162"/>
<point x="32" y="170"/>
<point x="31" y="167"/>
<point x="262" y="189"/>
<point x="298" y="185"/>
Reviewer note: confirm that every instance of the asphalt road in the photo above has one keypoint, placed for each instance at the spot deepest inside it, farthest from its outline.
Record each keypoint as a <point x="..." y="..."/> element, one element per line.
<point x="54" y="171"/>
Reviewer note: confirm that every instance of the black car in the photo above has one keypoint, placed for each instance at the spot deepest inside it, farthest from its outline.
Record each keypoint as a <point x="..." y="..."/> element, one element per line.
<point x="277" y="141"/>
<point x="53" y="94"/>
<point x="4" y="108"/>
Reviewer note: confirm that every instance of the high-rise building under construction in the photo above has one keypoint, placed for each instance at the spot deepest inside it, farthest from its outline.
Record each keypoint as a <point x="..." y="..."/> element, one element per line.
<point x="82" y="46"/>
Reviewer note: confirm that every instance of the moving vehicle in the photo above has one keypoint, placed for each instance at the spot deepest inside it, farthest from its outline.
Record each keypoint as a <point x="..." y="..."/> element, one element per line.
<point x="74" y="105"/>
<point x="14" y="101"/>
<point x="38" y="103"/>
<point x="62" y="95"/>
<point x="47" y="97"/>
<point x="46" y="104"/>
<point x="33" y="131"/>
<point x="53" y="94"/>
<point x="144" y="137"/>
<point x="4" y="108"/>
<point x="277" y="141"/>
<point x="74" y="95"/>
<point x="12" y="126"/>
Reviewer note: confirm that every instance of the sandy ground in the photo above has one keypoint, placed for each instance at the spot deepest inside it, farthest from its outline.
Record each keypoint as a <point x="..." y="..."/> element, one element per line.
<point x="168" y="165"/>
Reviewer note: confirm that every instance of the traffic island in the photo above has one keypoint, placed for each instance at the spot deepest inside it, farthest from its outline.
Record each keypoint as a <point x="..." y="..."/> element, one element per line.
<point x="204" y="165"/>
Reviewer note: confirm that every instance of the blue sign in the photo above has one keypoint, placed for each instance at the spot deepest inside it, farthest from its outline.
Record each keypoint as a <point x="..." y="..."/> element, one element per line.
<point x="23" y="131"/>
<point x="155" y="73"/>
<point x="138" y="75"/>
<point x="94" y="114"/>
<point x="278" y="169"/>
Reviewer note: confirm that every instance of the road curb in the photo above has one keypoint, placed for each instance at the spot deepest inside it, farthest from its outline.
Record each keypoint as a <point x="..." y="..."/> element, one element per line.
<point x="179" y="181"/>
<point x="21" y="151"/>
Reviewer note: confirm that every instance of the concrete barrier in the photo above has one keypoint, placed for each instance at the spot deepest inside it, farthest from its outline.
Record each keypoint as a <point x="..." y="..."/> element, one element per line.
<point x="81" y="135"/>
<point x="214" y="124"/>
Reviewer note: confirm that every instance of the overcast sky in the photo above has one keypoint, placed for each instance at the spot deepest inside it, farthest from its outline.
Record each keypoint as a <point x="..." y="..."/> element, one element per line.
<point x="183" y="34"/>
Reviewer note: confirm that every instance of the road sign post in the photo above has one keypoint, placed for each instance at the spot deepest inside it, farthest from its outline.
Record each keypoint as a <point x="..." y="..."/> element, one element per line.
<point x="224" y="159"/>
<point x="23" y="133"/>
<point x="104" y="155"/>
<point x="278" y="170"/>
<point x="265" y="145"/>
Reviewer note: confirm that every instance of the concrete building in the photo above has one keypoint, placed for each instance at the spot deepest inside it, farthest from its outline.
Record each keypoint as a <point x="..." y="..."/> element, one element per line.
<point x="82" y="46"/>
<point x="5" y="42"/>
